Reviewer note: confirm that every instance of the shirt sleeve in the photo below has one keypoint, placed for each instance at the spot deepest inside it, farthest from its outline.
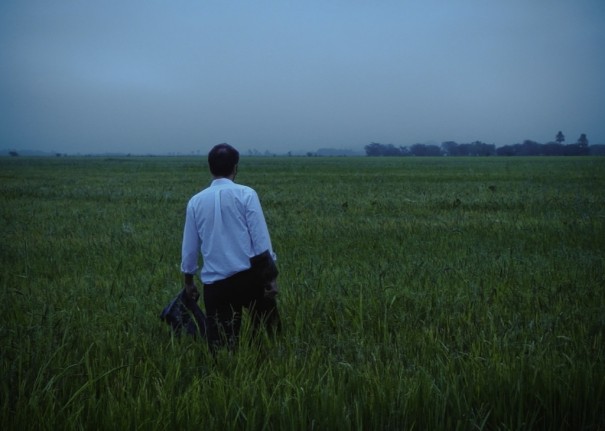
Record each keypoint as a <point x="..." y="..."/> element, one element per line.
<point x="257" y="226"/>
<point x="191" y="243"/>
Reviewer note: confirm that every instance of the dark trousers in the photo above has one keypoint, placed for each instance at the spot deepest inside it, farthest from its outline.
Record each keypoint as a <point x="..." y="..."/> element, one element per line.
<point x="224" y="301"/>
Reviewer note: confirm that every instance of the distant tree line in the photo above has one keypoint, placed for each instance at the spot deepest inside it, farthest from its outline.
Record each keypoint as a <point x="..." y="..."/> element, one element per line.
<point x="478" y="148"/>
<point x="556" y="148"/>
<point x="449" y="148"/>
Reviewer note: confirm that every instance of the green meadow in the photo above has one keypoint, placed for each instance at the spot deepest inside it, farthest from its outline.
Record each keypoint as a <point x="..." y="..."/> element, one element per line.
<point x="416" y="293"/>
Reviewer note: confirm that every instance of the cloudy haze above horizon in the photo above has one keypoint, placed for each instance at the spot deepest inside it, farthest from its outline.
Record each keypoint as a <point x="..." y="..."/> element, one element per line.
<point x="162" y="76"/>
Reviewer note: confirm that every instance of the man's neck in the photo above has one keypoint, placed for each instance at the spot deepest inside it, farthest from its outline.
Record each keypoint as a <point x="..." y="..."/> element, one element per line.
<point x="230" y="177"/>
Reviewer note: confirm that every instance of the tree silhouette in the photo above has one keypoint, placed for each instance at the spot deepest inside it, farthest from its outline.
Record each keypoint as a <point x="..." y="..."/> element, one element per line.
<point x="450" y="148"/>
<point x="582" y="145"/>
<point x="560" y="138"/>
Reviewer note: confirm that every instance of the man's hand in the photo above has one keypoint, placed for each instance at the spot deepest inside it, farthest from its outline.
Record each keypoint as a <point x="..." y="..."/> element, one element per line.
<point x="190" y="288"/>
<point x="271" y="290"/>
<point x="191" y="291"/>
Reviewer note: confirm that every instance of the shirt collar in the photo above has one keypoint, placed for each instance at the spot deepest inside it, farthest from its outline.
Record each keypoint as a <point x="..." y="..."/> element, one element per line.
<point x="221" y="181"/>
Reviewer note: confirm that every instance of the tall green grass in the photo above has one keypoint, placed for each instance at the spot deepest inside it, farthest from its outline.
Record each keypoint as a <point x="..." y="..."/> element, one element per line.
<point x="416" y="294"/>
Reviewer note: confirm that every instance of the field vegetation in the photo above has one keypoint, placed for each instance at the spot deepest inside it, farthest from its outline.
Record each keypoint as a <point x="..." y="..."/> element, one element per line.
<point x="416" y="293"/>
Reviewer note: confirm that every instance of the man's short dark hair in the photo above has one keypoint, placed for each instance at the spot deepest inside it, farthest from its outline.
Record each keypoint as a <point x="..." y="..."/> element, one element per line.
<point x="222" y="160"/>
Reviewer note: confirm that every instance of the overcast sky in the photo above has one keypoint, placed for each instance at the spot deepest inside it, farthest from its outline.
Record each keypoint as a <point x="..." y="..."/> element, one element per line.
<point x="182" y="75"/>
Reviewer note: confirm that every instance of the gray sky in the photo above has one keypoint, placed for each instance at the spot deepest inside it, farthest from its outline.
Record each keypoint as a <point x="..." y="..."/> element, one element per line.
<point x="179" y="76"/>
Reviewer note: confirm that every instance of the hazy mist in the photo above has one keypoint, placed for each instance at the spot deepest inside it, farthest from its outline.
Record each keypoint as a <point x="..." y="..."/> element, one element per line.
<point x="160" y="76"/>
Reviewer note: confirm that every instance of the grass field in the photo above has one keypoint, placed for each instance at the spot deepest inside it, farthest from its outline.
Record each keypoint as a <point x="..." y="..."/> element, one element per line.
<point x="416" y="293"/>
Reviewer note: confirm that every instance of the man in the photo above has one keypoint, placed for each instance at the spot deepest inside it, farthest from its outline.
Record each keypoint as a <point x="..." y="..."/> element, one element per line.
<point x="225" y="222"/>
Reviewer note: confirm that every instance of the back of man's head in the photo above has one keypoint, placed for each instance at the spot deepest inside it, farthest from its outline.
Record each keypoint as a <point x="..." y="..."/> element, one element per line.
<point x="222" y="160"/>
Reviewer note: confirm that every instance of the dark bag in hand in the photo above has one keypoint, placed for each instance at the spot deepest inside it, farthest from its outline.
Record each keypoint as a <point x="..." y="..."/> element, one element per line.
<point x="183" y="313"/>
<point x="263" y="267"/>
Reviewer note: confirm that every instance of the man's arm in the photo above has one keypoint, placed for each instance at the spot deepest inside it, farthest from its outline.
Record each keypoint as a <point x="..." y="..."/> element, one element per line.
<point x="190" y="249"/>
<point x="257" y="226"/>
<point x="190" y="253"/>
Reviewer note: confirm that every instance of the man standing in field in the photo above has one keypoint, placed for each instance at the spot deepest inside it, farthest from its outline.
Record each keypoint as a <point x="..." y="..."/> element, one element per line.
<point x="226" y="224"/>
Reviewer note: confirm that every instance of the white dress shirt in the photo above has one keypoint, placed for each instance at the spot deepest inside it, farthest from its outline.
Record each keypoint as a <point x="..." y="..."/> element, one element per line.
<point x="225" y="222"/>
